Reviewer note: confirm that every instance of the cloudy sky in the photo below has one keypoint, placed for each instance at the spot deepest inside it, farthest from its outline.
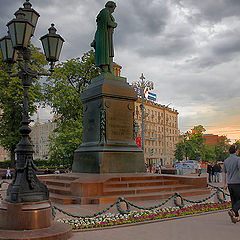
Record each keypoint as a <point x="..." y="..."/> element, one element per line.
<point x="190" y="49"/>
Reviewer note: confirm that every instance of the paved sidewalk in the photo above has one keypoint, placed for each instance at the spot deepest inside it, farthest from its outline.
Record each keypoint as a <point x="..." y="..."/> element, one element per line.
<point x="210" y="226"/>
<point x="202" y="227"/>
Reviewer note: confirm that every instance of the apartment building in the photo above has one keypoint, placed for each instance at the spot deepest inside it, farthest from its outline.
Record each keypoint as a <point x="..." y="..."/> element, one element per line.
<point x="160" y="130"/>
<point x="4" y="154"/>
<point x="213" y="139"/>
<point x="40" y="138"/>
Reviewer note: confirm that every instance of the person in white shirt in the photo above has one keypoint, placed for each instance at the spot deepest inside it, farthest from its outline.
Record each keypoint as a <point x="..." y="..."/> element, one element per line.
<point x="8" y="173"/>
<point x="199" y="169"/>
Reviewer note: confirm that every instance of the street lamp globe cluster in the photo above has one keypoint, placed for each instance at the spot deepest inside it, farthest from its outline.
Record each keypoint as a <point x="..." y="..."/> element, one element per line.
<point x="21" y="29"/>
<point x="15" y="47"/>
<point x="143" y="85"/>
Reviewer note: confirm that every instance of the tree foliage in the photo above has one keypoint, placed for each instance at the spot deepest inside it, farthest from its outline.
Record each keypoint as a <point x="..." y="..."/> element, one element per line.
<point x="180" y="151"/>
<point x="194" y="147"/>
<point x="11" y="98"/>
<point x="62" y="92"/>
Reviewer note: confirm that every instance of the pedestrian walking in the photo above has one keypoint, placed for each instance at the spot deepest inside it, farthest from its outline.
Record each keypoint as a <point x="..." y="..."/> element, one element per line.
<point x="199" y="169"/>
<point x="209" y="171"/>
<point x="220" y="174"/>
<point x="231" y="180"/>
<point x="216" y="170"/>
<point x="179" y="167"/>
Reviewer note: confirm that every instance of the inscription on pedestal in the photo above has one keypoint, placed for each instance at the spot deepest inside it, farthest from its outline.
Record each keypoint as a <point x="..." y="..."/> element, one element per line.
<point x="119" y="127"/>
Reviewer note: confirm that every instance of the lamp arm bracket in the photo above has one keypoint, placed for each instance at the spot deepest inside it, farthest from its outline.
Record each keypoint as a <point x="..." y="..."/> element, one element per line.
<point x="44" y="74"/>
<point x="13" y="75"/>
<point x="27" y="70"/>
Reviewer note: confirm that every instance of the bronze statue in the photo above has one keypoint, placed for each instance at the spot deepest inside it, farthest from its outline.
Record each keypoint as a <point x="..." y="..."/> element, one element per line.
<point x="103" y="41"/>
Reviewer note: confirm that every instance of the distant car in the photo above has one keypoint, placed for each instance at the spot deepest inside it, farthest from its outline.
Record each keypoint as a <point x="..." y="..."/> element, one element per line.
<point x="188" y="165"/>
<point x="194" y="162"/>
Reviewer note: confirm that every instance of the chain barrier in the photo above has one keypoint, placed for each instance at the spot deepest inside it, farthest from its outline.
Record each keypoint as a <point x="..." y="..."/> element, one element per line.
<point x="120" y="200"/>
<point x="151" y="208"/>
<point x="220" y="189"/>
<point x="88" y="216"/>
<point x="130" y="204"/>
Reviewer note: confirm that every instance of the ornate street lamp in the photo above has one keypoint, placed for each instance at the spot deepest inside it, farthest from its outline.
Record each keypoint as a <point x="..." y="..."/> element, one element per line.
<point x="20" y="30"/>
<point x="27" y="205"/>
<point x="26" y="187"/>
<point x="143" y="85"/>
<point x="30" y="14"/>
<point x="8" y="52"/>
<point x="52" y="45"/>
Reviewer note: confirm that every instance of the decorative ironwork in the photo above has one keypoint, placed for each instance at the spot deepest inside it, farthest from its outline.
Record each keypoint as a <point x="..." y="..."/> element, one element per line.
<point x="25" y="186"/>
<point x="135" y="127"/>
<point x="102" y="125"/>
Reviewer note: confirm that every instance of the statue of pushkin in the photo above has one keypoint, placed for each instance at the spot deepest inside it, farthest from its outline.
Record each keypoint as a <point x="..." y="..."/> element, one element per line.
<point x="103" y="40"/>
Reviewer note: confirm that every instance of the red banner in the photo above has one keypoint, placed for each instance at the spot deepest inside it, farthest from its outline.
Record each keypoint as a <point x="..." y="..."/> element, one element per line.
<point x="139" y="142"/>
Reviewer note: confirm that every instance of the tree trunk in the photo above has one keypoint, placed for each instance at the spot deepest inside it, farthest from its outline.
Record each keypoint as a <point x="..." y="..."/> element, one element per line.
<point x="12" y="158"/>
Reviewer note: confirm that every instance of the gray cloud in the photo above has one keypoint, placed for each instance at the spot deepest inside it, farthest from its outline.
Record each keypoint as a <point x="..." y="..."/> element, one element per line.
<point x="209" y="10"/>
<point x="190" y="49"/>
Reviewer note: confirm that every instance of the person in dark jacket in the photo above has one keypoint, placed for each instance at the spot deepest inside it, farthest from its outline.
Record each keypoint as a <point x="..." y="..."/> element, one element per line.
<point x="231" y="180"/>
<point x="216" y="169"/>
<point x="209" y="171"/>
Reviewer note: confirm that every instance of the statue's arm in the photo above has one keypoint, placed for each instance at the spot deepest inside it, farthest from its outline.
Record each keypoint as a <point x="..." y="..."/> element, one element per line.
<point x="111" y="21"/>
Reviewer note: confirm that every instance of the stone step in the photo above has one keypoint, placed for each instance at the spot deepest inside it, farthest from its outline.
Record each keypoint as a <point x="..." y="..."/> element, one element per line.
<point x="148" y="189"/>
<point x="136" y="178"/>
<point x="59" y="198"/>
<point x="65" y="177"/>
<point x="56" y="182"/>
<point x="130" y="197"/>
<point x="139" y="183"/>
<point x="59" y="189"/>
<point x="152" y="196"/>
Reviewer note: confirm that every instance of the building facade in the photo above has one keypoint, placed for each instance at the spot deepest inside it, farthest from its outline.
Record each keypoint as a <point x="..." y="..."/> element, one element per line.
<point x="40" y="138"/>
<point x="213" y="139"/>
<point x="4" y="154"/>
<point x="160" y="130"/>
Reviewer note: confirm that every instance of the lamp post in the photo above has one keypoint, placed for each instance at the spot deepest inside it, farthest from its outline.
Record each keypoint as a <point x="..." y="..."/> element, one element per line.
<point x="21" y="30"/>
<point x="26" y="191"/>
<point x="143" y="85"/>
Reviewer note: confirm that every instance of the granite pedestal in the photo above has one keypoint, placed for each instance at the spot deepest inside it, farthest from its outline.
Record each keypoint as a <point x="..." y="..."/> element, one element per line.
<point x="108" y="129"/>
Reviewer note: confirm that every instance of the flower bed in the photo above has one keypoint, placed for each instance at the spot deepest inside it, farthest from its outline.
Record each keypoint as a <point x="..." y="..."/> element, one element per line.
<point x="143" y="215"/>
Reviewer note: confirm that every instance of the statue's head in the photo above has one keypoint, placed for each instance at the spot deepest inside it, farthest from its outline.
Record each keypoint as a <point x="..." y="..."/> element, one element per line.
<point x="111" y="6"/>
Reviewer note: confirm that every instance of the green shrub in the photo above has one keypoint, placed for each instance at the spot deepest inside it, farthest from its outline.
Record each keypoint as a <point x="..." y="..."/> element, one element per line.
<point x="5" y="164"/>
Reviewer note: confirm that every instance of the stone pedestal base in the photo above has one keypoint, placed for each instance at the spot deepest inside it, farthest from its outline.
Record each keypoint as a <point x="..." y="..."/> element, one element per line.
<point x="108" y="160"/>
<point x="30" y="220"/>
<point x="25" y="216"/>
<point x="108" y="128"/>
<point x="57" y="230"/>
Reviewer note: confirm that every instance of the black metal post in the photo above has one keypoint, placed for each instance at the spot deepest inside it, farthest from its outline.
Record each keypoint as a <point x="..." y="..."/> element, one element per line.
<point x="25" y="186"/>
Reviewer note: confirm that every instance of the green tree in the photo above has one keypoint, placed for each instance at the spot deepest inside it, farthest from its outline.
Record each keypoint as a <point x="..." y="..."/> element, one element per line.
<point x="221" y="149"/>
<point x="185" y="149"/>
<point x="197" y="141"/>
<point x="208" y="153"/>
<point x="62" y="91"/>
<point x="180" y="151"/>
<point x="11" y="98"/>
